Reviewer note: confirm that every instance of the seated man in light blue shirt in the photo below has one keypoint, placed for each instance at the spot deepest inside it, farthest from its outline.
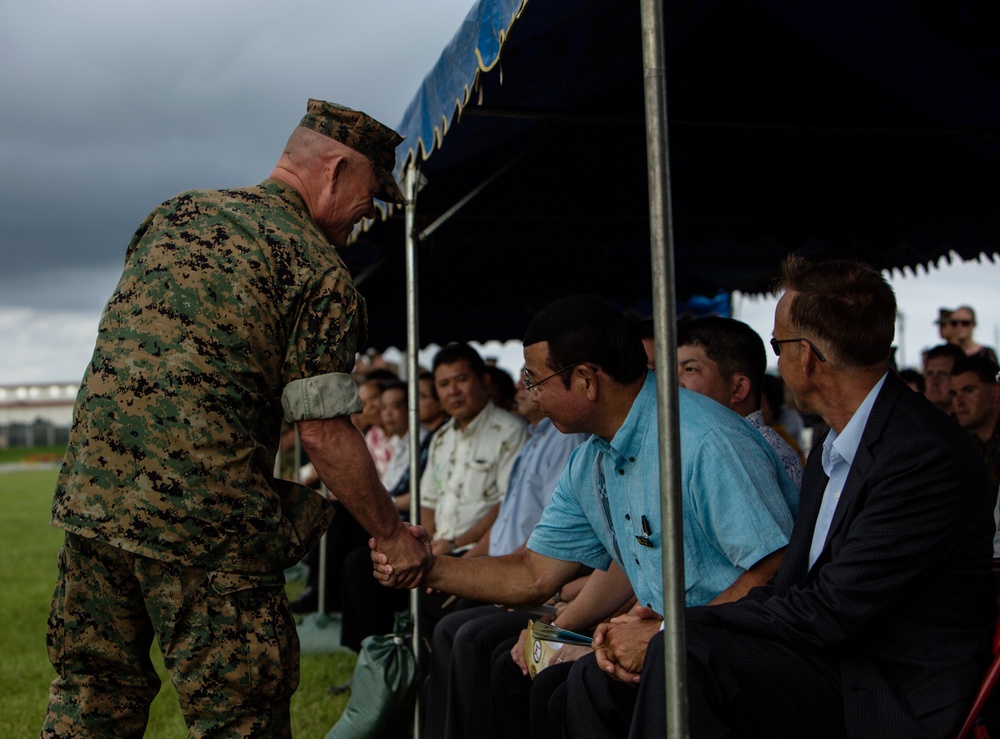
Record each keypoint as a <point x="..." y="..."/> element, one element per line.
<point x="587" y="369"/>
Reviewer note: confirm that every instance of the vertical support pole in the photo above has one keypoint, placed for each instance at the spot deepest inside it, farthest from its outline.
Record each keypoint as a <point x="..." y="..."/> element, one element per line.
<point x="413" y="388"/>
<point x="664" y="321"/>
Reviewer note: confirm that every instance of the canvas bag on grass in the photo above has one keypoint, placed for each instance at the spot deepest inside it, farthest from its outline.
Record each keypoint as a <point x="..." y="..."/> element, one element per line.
<point x="383" y="688"/>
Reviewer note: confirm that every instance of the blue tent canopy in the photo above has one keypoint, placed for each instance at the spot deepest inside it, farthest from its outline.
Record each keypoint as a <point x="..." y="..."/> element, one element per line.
<point x="835" y="128"/>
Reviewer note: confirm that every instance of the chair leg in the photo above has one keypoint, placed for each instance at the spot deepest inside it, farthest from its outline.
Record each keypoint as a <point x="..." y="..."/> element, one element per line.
<point x="973" y="719"/>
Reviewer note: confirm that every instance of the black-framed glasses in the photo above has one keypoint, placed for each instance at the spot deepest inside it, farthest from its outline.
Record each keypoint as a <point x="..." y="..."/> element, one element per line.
<point x="960" y="322"/>
<point x="776" y="346"/>
<point x="530" y="386"/>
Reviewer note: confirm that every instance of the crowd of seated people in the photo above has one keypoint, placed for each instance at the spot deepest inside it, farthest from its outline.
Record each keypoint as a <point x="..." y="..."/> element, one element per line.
<point x="510" y="522"/>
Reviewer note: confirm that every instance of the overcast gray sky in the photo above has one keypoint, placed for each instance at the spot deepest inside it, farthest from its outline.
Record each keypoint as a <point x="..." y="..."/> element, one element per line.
<point x="109" y="108"/>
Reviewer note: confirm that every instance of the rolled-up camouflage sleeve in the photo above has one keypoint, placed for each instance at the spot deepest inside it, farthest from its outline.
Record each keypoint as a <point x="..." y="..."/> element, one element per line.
<point x="329" y="330"/>
<point x="324" y="396"/>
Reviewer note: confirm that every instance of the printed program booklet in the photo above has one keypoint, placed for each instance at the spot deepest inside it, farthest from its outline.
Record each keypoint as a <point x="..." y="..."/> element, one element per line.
<point x="543" y="640"/>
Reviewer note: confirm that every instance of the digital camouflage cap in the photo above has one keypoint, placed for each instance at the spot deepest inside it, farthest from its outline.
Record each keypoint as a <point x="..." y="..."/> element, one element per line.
<point x="362" y="133"/>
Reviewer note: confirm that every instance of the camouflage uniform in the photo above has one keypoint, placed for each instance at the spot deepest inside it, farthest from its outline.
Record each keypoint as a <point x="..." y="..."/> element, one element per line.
<point x="231" y="306"/>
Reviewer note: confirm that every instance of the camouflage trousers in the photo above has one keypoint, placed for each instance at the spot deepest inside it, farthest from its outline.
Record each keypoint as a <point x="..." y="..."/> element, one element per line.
<point x="228" y="640"/>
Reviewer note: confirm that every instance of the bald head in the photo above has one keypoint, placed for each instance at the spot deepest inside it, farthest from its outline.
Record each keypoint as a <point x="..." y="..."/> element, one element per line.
<point x="337" y="183"/>
<point x="308" y="149"/>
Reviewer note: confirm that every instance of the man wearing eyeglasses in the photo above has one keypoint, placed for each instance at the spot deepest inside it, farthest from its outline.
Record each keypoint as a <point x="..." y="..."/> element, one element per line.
<point x="878" y="621"/>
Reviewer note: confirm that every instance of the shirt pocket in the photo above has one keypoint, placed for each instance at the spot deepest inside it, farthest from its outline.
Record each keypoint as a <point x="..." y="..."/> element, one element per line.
<point x="480" y="478"/>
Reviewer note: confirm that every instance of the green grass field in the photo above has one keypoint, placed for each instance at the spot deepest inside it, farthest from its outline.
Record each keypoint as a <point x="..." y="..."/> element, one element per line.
<point x="38" y="453"/>
<point x="28" y="561"/>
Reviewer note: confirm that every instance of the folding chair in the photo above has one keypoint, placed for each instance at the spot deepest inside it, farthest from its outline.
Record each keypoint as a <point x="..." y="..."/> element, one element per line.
<point x="974" y="719"/>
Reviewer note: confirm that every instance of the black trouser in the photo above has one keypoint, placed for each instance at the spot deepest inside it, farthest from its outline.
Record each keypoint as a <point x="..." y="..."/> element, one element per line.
<point x="522" y="707"/>
<point x="457" y="692"/>
<point x="738" y="686"/>
<point x="367" y="608"/>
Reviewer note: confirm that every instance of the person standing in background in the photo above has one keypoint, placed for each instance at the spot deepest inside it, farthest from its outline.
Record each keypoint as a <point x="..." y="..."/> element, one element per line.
<point x="943" y="322"/>
<point x="963" y="324"/>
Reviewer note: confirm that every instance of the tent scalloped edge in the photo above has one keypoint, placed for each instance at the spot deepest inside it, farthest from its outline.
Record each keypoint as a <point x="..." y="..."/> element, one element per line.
<point x="420" y="148"/>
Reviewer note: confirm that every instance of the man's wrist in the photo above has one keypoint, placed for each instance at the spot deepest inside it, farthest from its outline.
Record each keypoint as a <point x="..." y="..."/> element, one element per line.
<point x="396" y="529"/>
<point x="430" y="574"/>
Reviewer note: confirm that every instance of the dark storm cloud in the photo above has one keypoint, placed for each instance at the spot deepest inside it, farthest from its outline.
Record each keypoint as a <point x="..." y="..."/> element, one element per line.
<point x="112" y="107"/>
<point x="109" y="108"/>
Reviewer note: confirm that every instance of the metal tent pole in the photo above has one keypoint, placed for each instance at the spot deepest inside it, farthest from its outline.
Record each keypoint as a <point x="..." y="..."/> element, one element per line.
<point x="664" y="321"/>
<point x="413" y="387"/>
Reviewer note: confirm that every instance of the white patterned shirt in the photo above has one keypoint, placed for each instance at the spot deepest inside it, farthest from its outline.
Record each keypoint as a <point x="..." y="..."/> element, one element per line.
<point x="468" y="469"/>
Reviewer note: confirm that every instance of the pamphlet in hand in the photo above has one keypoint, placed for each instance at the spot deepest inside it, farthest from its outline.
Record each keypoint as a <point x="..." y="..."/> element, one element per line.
<point x="548" y="632"/>
<point x="543" y="641"/>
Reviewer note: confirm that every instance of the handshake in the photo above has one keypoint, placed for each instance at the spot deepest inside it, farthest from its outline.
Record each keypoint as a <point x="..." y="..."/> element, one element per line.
<point x="404" y="560"/>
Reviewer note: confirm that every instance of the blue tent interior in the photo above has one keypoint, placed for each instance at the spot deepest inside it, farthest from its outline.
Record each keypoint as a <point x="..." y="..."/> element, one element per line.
<point x="836" y="128"/>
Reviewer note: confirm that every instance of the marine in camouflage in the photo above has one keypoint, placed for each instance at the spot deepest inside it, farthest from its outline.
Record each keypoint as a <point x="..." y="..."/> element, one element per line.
<point x="226" y="298"/>
<point x="228" y="641"/>
<point x="233" y="313"/>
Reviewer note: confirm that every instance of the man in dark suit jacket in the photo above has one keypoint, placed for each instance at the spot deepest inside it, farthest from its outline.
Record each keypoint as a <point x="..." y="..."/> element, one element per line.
<point x="878" y="621"/>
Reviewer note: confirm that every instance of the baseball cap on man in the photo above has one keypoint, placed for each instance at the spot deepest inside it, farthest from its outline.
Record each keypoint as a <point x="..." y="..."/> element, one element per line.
<point x="362" y="133"/>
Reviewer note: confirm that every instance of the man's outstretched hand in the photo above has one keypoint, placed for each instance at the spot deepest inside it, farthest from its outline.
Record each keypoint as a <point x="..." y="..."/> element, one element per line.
<point x="404" y="560"/>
